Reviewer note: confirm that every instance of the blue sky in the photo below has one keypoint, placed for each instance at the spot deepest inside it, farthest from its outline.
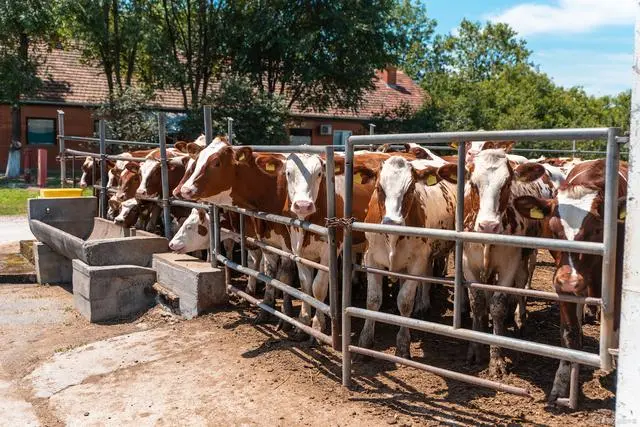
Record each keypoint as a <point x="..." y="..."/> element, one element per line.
<point x="586" y="43"/>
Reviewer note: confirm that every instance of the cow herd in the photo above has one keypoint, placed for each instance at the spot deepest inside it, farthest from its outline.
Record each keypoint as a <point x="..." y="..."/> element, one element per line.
<point x="410" y="186"/>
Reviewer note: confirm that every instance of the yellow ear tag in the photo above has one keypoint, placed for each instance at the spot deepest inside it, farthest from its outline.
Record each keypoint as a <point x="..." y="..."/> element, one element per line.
<point x="270" y="167"/>
<point x="336" y="170"/>
<point x="432" y="180"/>
<point x="536" y="213"/>
<point x="357" y="178"/>
<point x="622" y="214"/>
<point x="241" y="157"/>
<point x="454" y="177"/>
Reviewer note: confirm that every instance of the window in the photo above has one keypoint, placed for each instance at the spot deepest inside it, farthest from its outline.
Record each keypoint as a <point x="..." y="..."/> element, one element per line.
<point x="41" y="131"/>
<point x="340" y="136"/>
<point x="298" y="136"/>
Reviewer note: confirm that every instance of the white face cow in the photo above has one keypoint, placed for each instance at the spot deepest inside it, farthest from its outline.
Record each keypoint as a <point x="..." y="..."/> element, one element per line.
<point x="116" y="171"/>
<point x="304" y="174"/>
<point x="194" y="233"/>
<point x="128" y="215"/>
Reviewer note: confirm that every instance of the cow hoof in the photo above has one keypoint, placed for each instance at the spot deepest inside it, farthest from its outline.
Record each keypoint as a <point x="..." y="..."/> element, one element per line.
<point x="497" y="368"/>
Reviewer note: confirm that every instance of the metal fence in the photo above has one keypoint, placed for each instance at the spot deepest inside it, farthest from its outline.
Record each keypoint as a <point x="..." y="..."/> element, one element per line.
<point x="606" y="249"/>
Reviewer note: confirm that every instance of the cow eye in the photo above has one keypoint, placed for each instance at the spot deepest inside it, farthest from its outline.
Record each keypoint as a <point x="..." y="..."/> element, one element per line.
<point x="189" y="227"/>
<point x="319" y="174"/>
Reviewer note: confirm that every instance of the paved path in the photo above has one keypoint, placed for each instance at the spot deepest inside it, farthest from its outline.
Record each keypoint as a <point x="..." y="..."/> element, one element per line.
<point x="13" y="228"/>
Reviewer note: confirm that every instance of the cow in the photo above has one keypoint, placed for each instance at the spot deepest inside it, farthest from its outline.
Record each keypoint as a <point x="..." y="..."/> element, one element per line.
<point x="229" y="176"/>
<point x="406" y="193"/>
<point x="91" y="167"/>
<point x="564" y="164"/>
<point x="193" y="235"/>
<point x="493" y="183"/>
<point x="472" y="148"/>
<point x="576" y="213"/>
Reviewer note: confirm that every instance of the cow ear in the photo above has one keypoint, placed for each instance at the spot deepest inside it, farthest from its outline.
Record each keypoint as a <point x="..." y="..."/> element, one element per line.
<point x="132" y="166"/>
<point x="622" y="208"/>
<point x="505" y="145"/>
<point x="242" y="154"/>
<point x="193" y="149"/>
<point x="454" y="144"/>
<point x="363" y="175"/>
<point x="181" y="146"/>
<point x="420" y="153"/>
<point x="270" y="164"/>
<point x="529" y="172"/>
<point x="428" y="175"/>
<point x="533" y="207"/>
<point x="448" y="172"/>
<point x="338" y="169"/>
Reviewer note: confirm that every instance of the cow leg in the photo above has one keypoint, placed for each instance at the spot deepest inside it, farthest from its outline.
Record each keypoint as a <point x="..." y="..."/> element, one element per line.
<point x="406" y="300"/>
<point x="228" y="248"/>
<point x="571" y="337"/>
<point x="305" y="274"/>
<point x="271" y="270"/>
<point x="374" y="301"/>
<point x="254" y="259"/>
<point x="523" y="279"/>
<point x="499" y="308"/>
<point x="423" y="303"/>
<point x="285" y="275"/>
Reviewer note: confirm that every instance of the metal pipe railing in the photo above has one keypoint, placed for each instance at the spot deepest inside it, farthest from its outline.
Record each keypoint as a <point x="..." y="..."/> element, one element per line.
<point x="164" y="172"/>
<point x="285" y="220"/>
<point x="61" y="147"/>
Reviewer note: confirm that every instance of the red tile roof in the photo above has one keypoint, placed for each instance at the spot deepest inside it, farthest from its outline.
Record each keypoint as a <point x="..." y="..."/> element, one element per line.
<point x="68" y="78"/>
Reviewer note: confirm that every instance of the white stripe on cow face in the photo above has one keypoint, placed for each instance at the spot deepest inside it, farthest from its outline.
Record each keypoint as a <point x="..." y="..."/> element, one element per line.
<point x="490" y="174"/>
<point x="211" y="149"/>
<point x="574" y="205"/>
<point x="395" y="179"/>
<point x="304" y="173"/>
<point x="146" y="169"/>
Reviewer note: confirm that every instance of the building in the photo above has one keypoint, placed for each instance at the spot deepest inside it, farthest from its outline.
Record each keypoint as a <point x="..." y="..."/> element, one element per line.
<point x="72" y="85"/>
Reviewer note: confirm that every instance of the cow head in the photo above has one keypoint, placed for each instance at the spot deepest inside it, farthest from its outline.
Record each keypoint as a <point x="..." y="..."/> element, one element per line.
<point x="151" y="175"/>
<point x="473" y="148"/>
<point x="213" y="173"/>
<point x="193" y="150"/>
<point x="193" y="235"/>
<point x="490" y="178"/>
<point x="395" y="186"/>
<point x="129" y="181"/>
<point x="576" y="214"/>
<point x="87" y="172"/>
<point x="129" y="212"/>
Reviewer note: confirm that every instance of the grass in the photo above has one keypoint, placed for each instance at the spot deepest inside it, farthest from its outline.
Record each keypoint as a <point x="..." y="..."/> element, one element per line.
<point x="13" y="201"/>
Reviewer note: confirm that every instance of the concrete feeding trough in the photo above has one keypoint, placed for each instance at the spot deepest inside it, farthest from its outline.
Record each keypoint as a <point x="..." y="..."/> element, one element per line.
<point x="187" y="285"/>
<point x="110" y="274"/>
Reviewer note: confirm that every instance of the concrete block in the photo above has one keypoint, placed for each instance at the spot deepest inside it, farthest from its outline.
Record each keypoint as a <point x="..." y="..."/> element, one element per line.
<point x="199" y="286"/>
<point x="51" y="267"/>
<point x="104" y="293"/>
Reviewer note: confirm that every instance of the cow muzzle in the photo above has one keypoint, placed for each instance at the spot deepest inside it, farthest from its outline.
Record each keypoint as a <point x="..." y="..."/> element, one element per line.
<point x="176" y="246"/>
<point x="303" y="207"/>
<point x="492" y="227"/>
<point x="188" y="192"/>
<point x="568" y="282"/>
<point x="392" y="221"/>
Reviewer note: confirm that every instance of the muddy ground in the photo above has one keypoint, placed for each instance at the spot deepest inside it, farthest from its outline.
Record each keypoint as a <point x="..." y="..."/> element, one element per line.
<point x="221" y="369"/>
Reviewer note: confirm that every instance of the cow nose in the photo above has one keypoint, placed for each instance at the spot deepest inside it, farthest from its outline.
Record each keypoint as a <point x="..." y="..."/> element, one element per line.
<point x="119" y="221"/>
<point x="304" y="206"/>
<point x="83" y="184"/>
<point x="187" y="192"/>
<point x="569" y="284"/>
<point x="391" y="221"/>
<point x="489" y="227"/>
<point x="177" y="192"/>
<point x="141" y="192"/>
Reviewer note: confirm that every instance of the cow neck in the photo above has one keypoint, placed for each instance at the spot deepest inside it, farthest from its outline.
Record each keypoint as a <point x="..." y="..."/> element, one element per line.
<point x="253" y="189"/>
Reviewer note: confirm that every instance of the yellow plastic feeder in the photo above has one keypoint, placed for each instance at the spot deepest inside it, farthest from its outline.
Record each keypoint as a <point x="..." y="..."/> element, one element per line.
<point x="49" y="193"/>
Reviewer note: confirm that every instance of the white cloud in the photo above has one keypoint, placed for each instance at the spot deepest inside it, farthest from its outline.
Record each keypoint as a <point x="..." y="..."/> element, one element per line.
<point x="599" y="73"/>
<point x="567" y="16"/>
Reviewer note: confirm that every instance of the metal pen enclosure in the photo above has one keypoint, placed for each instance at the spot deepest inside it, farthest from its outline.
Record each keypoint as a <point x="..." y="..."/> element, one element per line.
<point x="607" y="249"/>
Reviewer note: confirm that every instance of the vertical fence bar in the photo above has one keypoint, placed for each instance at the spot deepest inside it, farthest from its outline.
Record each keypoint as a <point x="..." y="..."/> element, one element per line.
<point x="73" y="170"/>
<point x="372" y="128"/>
<point x="243" y="243"/>
<point x="230" y="130"/>
<point x="333" y="251"/>
<point x="93" y="178"/>
<point x="208" y="132"/>
<point x="459" y="290"/>
<point x="347" y="266"/>
<point x="63" y="163"/>
<point x="573" y="148"/>
<point x="214" y="212"/>
<point x="610" y="235"/>
<point x="102" y="131"/>
<point x="164" y="175"/>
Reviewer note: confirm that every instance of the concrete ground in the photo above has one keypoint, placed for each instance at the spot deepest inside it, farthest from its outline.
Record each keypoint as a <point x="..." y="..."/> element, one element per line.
<point x="13" y="228"/>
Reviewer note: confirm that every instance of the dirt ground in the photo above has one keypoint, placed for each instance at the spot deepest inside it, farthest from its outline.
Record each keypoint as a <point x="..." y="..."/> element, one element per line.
<point x="221" y="369"/>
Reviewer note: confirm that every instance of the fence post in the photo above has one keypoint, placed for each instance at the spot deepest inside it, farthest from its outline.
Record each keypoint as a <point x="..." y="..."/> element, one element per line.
<point x="230" y="130"/>
<point x="333" y="252"/>
<point x="63" y="162"/>
<point x="214" y="234"/>
<point x="347" y="266"/>
<point x="102" y="131"/>
<point x="372" y="128"/>
<point x="243" y="242"/>
<point x="73" y="170"/>
<point x="208" y="134"/>
<point x="459" y="291"/>
<point x="164" y="174"/>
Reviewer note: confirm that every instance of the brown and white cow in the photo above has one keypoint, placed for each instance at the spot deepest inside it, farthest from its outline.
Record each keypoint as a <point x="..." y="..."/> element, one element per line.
<point x="91" y="167"/>
<point x="576" y="213"/>
<point x="494" y="182"/>
<point x="230" y="176"/>
<point x="564" y="164"/>
<point x="407" y="193"/>
<point x="473" y="148"/>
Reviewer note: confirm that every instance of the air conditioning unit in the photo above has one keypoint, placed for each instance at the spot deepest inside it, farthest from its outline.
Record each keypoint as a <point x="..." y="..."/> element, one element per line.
<point x="325" y="129"/>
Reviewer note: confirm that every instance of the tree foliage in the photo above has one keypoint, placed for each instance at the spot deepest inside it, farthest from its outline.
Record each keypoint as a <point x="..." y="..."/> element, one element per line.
<point x="128" y="117"/>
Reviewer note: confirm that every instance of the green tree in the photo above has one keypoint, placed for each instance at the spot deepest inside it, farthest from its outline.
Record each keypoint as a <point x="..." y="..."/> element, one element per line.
<point x="128" y="116"/>
<point x="317" y="54"/>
